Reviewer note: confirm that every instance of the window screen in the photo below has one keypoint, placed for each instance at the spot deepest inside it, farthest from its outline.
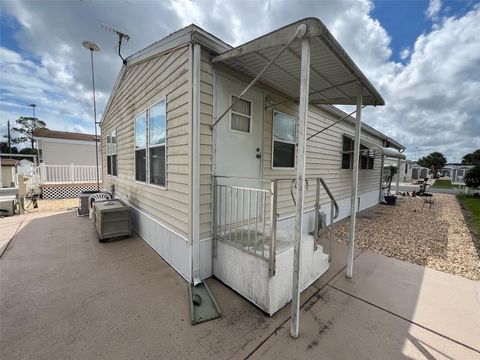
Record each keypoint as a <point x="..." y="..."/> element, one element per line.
<point x="284" y="136"/>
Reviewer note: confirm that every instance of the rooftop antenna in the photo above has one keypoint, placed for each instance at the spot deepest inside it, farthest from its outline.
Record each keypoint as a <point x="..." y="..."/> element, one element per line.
<point x="121" y="37"/>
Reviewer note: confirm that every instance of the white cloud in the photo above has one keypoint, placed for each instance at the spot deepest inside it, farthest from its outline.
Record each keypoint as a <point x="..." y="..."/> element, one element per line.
<point x="431" y="97"/>
<point x="405" y="53"/>
<point x="433" y="9"/>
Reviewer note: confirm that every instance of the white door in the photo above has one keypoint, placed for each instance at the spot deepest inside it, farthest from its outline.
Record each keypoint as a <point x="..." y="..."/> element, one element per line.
<point x="239" y="134"/>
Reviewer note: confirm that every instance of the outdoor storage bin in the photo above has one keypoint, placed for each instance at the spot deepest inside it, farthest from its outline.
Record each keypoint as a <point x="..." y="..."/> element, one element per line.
<point x="113" y="219"/>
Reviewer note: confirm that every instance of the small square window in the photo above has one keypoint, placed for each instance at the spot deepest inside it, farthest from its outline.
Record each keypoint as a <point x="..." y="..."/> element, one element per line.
<point x="240" y="115"/>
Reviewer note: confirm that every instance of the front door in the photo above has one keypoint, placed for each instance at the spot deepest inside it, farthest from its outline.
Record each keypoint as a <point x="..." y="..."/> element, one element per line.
<point x="239" y="134"/>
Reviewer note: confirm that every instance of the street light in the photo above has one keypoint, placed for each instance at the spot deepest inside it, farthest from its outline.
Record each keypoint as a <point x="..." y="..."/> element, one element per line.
<point x="94" y="47"/>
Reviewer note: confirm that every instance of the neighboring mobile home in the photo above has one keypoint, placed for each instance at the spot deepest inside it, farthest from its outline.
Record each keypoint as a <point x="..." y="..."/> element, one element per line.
<point x="203" y="187"/>
<point x="64" y="148"/>
<point x="66" y="163"/>
<point x="8" y="174"/>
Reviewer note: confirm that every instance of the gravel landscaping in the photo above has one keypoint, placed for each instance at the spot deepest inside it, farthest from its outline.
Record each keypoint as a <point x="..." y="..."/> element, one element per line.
<point x="438" y="238"/>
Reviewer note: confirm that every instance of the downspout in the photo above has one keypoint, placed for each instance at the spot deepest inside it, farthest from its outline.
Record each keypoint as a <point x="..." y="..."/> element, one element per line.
<point x="353" y="208"/>
<point x="196" y="165"/>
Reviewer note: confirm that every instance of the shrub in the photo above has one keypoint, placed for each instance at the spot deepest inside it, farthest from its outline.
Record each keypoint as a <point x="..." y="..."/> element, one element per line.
<point x="472" y="179"/>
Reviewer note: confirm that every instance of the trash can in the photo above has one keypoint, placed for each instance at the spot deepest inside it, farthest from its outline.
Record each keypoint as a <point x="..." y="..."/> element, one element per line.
<point x="390" y="199"/>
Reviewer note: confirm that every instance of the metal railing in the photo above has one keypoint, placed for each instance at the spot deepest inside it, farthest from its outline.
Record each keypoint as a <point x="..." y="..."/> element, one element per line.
<point x="242" y="218"/>
<point x="48" y="174"/>
<point x="334" y="210"/>
<point x="246" y="217"/>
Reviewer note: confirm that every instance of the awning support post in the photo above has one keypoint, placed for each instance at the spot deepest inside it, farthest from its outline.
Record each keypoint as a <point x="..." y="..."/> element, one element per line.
<point x="301" y="156"/>
<point x="397" y="185"/>
<point x="353" y="207"/>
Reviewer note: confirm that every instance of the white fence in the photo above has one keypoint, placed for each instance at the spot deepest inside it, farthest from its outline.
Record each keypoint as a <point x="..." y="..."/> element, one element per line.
<point x="61" y="174"/>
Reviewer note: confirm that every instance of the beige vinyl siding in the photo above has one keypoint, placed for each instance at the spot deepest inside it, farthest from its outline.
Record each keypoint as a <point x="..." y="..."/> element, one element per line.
<point x="324" y="153"/>
<point x="143" y="85"/>
<point x="206" y="147"/>
<point x="57" y="153"/>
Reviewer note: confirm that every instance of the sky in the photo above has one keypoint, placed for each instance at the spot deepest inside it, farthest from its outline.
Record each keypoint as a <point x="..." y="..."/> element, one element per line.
<point x="422" y="56"/>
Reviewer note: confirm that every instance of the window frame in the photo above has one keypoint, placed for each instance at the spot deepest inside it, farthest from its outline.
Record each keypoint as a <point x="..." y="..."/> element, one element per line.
<point x="285" y="142"/>
<point x="110" y="155"/>
<point x="351" y="152"/>
<point x="147" y="147"/>
<point x="250" y="117"/>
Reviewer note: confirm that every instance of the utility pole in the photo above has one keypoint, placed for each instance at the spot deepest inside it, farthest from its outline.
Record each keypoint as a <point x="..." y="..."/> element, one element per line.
<point x="9" y="139"/>
<point x="33" y="123"/>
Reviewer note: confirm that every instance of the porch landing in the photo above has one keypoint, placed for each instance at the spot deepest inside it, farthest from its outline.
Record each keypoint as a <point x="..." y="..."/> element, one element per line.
<point x="64" y="295"/>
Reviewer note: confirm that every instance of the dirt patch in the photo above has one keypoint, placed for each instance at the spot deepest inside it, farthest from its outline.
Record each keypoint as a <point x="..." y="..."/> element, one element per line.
<point x="52" y="205"/>
<point x="438" y="238"/>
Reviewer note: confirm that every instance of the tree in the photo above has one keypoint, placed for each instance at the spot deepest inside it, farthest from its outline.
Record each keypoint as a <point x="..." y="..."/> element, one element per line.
<point x="28" y="151"/>
<point x="472" y="178"/>
<point x="472" y="158"/>
<point x="435" y="161"/>
<point x="4" y="148"/>
<point x="25" y="127"/>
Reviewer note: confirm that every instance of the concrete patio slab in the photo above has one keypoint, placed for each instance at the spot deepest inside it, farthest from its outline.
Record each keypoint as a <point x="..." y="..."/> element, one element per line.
<point x="65" y="295"/>
<point x="8" y="227"/>
<point x="442" y="302"/>
<point x="335" y="326"/>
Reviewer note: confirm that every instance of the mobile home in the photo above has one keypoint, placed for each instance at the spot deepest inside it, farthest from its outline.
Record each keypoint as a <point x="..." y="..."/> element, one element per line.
<point x="208" y="159"/>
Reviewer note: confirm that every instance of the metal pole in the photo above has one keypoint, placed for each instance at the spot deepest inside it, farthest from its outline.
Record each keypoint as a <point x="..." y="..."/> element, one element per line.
<point x="397" y="185"/>
<point x="301" y="155"/>
<point x="273" y="227"/>
<point x="95" y="119"/>
<point x="380" y="194"/>
<point x="353" y="208"/>
<point x="33" y="124"/>
<point x="9" y="139"/>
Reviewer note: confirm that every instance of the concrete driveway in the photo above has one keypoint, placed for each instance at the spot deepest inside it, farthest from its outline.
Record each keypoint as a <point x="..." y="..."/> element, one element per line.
<point x="66" y="296"/>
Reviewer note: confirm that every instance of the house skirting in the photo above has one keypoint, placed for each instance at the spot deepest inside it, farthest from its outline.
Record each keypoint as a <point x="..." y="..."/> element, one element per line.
<point x="65" y="190"/>
<point x="174" y="248"/>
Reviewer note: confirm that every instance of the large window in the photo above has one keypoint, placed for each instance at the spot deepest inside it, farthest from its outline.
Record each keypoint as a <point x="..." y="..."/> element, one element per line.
<point x="284" y="134"/>
<point x="240" y="115"/>
<point x="141" y="147"/>
<point x="367" y="158"/>
<point x="150" y="139"/>
<point x="156" y="144"/>
<point x="112" y="153"/>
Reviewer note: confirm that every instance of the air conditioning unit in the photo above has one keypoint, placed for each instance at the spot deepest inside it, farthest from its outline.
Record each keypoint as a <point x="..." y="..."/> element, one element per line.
<point x="112" y="219"/>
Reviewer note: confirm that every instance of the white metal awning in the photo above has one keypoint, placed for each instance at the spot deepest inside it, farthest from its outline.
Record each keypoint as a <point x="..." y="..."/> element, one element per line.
<point x="334" y="78"/>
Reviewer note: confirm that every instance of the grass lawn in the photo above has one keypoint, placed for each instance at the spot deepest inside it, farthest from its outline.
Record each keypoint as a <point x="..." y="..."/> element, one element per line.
<point x="444" y="184"/>
<point x="472" y="205"/>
